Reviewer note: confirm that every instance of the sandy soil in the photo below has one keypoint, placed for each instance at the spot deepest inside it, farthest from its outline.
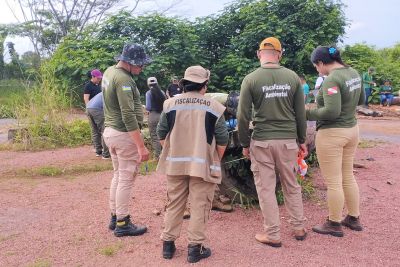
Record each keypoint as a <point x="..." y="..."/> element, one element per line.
<point x="62" y="221"/>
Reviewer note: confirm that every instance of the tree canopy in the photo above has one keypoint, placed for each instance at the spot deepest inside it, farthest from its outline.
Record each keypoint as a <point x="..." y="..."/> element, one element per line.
<point x="225" y="43"/>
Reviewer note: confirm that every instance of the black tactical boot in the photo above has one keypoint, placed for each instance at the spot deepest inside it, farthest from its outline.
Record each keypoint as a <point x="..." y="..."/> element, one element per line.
<point x="126" y="228"/>
<point x="113" y="222"/>
<point x="197" y="252"/>
<point x="168" y="249"/>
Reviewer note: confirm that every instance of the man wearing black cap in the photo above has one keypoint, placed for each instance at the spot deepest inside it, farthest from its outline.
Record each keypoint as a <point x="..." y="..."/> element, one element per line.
<point x="123" y="117"/>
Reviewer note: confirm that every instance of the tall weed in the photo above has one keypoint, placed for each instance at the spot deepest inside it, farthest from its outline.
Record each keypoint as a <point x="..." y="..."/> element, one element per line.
<point x="44" y="117"/>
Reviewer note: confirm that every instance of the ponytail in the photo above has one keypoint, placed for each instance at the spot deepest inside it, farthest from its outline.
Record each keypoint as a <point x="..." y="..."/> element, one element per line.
<point x="327" y="55"/>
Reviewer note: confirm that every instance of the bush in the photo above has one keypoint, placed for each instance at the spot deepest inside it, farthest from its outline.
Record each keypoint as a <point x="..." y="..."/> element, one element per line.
<point x="11" y="94"/>
<point x="44" y="116"/>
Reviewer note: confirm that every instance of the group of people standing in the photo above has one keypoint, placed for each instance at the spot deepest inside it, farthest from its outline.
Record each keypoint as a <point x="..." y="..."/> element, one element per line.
<point x="193" y="136"/>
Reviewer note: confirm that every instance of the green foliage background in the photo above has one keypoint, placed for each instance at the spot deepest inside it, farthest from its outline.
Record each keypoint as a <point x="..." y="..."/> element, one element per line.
<point x="225" y="43"/>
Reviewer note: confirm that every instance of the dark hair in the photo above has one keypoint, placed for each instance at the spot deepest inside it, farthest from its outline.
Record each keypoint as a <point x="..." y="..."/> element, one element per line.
<point x="89" y="74"/>
<point x="301" y="76"/>
<point x="326" y="55"/>
<point x="157" y="97"/>
<point x="192" y="86"/>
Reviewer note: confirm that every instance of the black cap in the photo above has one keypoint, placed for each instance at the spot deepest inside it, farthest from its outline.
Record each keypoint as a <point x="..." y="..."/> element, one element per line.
<point x="134" y="54"/>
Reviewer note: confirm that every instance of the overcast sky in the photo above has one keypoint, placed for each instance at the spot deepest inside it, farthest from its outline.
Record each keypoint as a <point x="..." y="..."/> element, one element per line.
<point x="371" y="21"/>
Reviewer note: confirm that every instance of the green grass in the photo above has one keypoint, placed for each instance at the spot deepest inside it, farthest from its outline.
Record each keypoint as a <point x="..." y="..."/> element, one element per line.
<point x="40" y="263"/>
<point x="49" y="171"/>
<point x="57" y="171"/>
<point x="151" y="167"/>
<point x="11" y="93"/>
<point x="244" y="201"/>
<point x="365" y="143"/>
<point x="110" y="250"/>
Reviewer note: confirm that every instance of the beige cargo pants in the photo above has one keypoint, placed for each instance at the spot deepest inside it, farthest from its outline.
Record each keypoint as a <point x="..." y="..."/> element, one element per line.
<point x="125" y="160"/>
<point x="282" y="155"/>
<point x="199" y="193"/>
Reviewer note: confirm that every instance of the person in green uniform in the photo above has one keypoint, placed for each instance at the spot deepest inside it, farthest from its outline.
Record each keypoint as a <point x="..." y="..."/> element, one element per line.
<point x="368" y="84"/>
<point x="279" y="122"/>
<point x="337" y="137"/>
<point x="386" y="93"/>
<point x="123" y="118"/>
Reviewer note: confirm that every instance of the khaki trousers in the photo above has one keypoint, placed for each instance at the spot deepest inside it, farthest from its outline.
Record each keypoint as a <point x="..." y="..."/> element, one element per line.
<point x="335" y="150"/>
<point x="125" y="159"/>
<point x="282" y="155"/>
<point x="96" y="120"/>
<point x="199" y="193"/>
<point x="154" y="118"/>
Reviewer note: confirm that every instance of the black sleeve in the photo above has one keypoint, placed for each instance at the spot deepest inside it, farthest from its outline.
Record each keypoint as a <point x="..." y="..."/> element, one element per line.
<point x="87" y="89"/>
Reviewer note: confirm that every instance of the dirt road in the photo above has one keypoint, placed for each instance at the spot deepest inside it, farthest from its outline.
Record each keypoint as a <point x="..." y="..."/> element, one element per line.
<point x="62" y="221"/>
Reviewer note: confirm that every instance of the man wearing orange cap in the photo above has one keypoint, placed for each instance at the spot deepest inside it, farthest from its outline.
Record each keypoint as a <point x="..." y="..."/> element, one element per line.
<point x="276" y="95"/>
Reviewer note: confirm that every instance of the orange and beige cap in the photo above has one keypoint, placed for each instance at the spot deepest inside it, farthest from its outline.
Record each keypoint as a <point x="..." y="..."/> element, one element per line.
<point x="271" y="43"/>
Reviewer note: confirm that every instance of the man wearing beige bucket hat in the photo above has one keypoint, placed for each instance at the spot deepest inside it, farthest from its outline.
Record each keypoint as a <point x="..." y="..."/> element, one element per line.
<point x="194" y="136"/>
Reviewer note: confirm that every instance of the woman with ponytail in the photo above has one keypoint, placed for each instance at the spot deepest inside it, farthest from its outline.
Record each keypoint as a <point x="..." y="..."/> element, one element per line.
<point x="337" y="137"/>
<point x="155" y="98"/>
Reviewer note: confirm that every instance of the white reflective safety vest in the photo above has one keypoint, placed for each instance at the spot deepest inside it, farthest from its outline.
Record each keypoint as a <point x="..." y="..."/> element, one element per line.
<point x="190" y="146"/>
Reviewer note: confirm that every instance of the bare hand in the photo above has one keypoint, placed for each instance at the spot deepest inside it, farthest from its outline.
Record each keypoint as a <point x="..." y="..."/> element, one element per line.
<point x="144" y="154"/>
<point x="246" y="152"/>
<point x="304" y="150"/>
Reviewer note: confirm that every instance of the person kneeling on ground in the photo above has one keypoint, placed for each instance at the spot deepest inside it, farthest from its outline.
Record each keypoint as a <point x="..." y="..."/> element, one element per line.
<point x="194" y="136"/>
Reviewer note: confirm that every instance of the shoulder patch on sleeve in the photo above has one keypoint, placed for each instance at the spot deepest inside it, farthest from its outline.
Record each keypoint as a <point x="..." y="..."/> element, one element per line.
<point x="332" y="90"/>
<point x="126" y="88"/>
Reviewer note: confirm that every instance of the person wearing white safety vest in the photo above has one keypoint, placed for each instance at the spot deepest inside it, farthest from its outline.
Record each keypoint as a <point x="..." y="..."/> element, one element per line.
<point x="194" y="136"/>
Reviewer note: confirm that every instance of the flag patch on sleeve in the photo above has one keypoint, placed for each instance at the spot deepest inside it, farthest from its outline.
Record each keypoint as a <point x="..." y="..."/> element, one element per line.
<point x="126" y="88"/>
<point x="332" y="90"/>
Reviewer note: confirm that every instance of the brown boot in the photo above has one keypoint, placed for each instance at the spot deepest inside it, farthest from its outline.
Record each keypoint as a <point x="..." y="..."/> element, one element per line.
<point x="353" y="223"/>
<point x="329" y="228"/>
<point x="219" y="206"/>
<point x="263" y="238"/>
<point x="300" y="235"/>
<point x="224" y="199"/>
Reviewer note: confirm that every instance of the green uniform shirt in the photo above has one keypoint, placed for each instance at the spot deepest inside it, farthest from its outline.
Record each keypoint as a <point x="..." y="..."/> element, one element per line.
<point x="385" y="89"/>
<point x="122" y="106"/>
<point x="276" y="95"/>
<point x="337" y="100"/>
<point x="367" y="80"/>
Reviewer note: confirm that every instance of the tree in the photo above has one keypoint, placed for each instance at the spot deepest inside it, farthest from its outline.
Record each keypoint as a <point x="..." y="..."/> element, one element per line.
<point x="3" y="35"/>
<point x="225" y="43"/>
<point x="386" y="61"/>
<point x="301" y="25"/>
<point x="171" y="42"/>
<point x="46" y="22"/>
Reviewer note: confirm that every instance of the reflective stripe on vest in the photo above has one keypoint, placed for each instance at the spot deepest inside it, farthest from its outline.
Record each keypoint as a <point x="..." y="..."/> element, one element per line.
<point x="194" y="159"/>
<point x="215" y="168"/>
<point x="208" y="109"/>
<point x="186" y="159"/>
